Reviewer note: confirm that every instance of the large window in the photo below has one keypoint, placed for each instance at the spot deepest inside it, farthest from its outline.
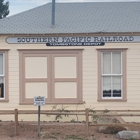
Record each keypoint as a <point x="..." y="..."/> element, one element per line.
<point x="3" y="76"/>
<point x="112" y="74"/>
<point x="55" y="74"/>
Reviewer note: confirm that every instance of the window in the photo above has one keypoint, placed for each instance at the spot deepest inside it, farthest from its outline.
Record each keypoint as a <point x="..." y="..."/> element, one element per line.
<point x="3" y="75"/>
<point x="55" y="74"/>
<point x="112" y="74"/>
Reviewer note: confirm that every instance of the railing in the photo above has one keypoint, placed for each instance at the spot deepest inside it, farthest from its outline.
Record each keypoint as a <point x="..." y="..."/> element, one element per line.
<point x="85" y="112"/>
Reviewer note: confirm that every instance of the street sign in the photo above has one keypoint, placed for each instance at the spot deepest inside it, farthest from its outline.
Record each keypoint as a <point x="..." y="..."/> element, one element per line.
<point x="39" y="101"/>
<point x="75" y="44"/>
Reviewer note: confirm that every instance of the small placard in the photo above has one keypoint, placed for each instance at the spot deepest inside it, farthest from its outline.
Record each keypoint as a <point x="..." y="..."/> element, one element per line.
<point x="39" y="101"/>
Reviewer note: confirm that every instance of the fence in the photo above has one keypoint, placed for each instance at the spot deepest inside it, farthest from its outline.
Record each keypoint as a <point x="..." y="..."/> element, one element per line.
<point x="85" y="112"/>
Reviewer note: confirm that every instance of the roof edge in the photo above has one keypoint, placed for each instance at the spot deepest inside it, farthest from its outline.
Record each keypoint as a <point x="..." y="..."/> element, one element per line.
<point x="75" y="34"/>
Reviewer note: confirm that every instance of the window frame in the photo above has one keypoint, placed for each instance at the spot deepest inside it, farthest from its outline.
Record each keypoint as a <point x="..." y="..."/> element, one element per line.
<point x="50" y="79"/>
<point x="123" y="75"/>
<point x="5" y="75"/>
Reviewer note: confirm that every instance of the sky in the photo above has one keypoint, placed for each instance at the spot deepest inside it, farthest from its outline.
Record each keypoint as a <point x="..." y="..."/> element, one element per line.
<point x="18" y="6"/>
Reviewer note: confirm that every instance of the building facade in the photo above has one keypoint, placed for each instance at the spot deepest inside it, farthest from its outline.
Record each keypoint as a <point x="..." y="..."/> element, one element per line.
<point x="94" y="60"/>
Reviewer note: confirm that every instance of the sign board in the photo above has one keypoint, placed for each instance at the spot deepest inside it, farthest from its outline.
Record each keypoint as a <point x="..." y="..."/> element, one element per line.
<point x="77" y="44"/>
<point x="71" y="39"/>
<point x="39" y="101"/>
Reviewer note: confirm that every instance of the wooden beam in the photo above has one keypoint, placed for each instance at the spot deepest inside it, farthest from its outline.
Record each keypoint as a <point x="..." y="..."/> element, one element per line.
<point x="16" y="122"/>
<point x="114" y="115"/>
<point x="87" y="121"/>
<point x="119" y="124"/>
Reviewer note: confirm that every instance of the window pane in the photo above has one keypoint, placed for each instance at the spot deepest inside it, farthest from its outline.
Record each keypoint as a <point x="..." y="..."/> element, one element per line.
<point x="116" y="86"/>
<point x="1" y="87"/>
<point x="1" y="63"/>
<point x="116" y="61"/>
<point x="106" y="63"/>
<point x="106" y="86"/>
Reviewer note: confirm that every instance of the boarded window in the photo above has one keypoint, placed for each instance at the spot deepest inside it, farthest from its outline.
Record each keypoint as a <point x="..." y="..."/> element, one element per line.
<point x="57" y="75"/>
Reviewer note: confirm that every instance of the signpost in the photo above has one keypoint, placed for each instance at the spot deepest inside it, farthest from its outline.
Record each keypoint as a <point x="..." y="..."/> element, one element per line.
<point x="39" y="101"/>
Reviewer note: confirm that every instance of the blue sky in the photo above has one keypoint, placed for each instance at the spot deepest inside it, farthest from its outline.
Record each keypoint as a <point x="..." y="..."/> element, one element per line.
<point x="17" y="6"/>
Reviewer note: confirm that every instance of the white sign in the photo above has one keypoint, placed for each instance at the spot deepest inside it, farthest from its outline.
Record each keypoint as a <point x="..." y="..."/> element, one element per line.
<point x="39" y="101"/>
<point x="81" y="39"/>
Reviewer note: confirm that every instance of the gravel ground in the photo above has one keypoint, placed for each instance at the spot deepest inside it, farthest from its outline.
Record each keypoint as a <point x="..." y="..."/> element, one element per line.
<point x="54" y="131"/>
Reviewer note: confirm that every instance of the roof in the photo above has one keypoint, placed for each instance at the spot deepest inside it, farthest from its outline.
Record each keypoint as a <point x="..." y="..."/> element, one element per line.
<point x="90" y="17"/>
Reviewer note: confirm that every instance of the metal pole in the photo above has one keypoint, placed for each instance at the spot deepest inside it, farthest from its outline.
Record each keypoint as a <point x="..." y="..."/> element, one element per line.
<point x="16" y="122"/>
<point x="87" y="121"/>
<point x="53" y="12"/>
<point x="38" y="121"/>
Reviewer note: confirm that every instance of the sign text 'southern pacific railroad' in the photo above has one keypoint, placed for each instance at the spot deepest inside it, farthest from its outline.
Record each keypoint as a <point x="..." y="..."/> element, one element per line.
<point x="81" y="39"/>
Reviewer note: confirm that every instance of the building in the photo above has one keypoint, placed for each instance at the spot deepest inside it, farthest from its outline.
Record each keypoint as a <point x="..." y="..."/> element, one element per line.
<point x="93" y="56"/>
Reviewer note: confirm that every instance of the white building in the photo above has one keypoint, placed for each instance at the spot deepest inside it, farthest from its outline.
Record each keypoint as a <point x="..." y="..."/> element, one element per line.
<point x="93" y="57"/>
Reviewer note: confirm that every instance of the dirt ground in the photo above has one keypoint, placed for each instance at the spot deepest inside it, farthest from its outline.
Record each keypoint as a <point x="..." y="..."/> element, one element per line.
<point x="54" y="130"/>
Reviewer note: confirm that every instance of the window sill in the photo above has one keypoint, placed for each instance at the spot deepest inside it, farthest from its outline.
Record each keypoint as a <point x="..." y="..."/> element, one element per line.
<point x="3" y="100"/>
<point x="51" y="103"/>
<point x="112" y="100"/>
